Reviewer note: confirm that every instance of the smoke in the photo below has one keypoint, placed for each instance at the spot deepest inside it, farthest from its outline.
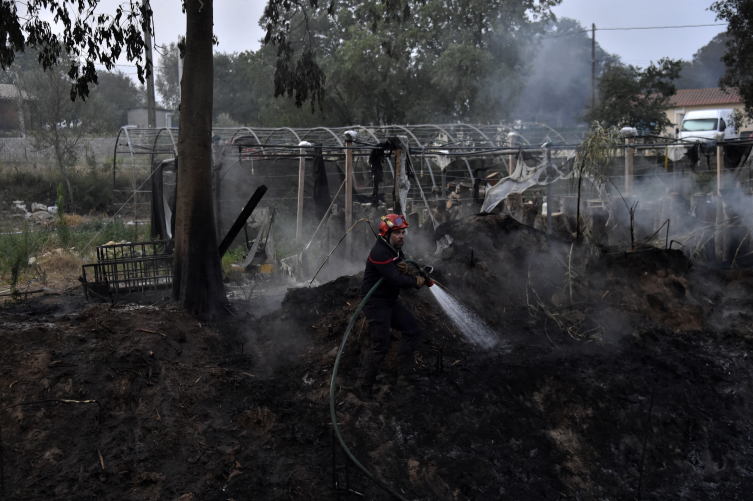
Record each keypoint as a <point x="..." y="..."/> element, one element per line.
<point x="558" y="90"/>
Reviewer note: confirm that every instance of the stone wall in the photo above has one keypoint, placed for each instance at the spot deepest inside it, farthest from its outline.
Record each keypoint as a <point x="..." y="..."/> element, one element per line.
<point x="19" y="149"/>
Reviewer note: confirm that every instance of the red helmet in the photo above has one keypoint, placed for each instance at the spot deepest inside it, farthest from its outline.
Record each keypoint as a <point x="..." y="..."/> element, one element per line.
<point x="392" y="222"/>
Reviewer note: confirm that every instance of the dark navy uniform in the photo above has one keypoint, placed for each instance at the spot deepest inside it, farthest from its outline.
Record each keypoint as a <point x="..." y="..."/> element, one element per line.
<point x="383" y="310"/>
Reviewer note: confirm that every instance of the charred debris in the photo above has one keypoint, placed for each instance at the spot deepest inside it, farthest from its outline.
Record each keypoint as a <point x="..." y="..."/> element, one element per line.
<point x="620" y="368"/>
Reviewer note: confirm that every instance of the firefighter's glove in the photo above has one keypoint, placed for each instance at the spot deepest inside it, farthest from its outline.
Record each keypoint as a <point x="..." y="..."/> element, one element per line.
<point x="404" y="268"/>
<point x="420" y="282"/>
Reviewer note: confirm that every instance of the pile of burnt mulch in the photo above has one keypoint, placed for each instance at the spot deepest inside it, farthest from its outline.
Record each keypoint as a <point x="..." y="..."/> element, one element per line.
<point x="505" y="269"/>
<point x="616" y="376"/>
<point x="655" y="414"/>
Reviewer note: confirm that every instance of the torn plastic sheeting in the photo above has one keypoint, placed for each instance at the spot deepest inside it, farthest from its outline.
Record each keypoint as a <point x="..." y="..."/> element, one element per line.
<point x="292" y="266"/>
<point x="524" y="178"/>
<point x="442" y="160"/>
<point x="676" y="152"/>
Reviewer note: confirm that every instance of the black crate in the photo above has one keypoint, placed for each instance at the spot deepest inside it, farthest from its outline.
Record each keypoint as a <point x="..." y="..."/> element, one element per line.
<point x="130" y="267"/>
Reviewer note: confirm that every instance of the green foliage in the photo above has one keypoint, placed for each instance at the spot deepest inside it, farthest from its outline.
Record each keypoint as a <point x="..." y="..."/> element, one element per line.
<point x="632" y="97"/>
<point x="232" y="256"/>
<point x="166" y="81"/>
<point x="596" y="151"/>
<point x="64" y="234"/>
<point x="431" y="61"/>
<point x="106" y="110"/>
<point x="115" y="231"/>
<point x="738" y="58"/>
<point x="29" y="184"/>
<point x="93" y="188"/>
<point x="74" y="35"/>
<point x="92" y="185"/>
<point x="224" y="120"/>
<point x="16" y="249"/>
<point x="706" y="67"/>
<point x="592" y="159"/>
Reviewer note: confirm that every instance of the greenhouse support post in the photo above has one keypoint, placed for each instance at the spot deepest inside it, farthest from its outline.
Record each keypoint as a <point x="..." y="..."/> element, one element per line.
<point x="301" y="184"/>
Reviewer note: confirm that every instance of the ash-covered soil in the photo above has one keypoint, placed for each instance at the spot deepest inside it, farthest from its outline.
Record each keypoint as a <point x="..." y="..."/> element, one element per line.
<point x="615" y="376"/>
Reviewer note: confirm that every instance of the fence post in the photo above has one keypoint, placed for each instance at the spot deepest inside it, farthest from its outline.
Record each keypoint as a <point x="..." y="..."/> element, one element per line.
<point x="348" y="193"/>
<point x="548" y="193"/>
<point x="301" y="184"/>
<point x="396" y="208"/>
<point x="217" y="167"/>
<point x="719" y="167"/>
<point x="628" y="168"/>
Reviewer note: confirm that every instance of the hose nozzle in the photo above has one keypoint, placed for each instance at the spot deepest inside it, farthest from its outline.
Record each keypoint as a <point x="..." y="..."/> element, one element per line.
<point x="425" y="271"/>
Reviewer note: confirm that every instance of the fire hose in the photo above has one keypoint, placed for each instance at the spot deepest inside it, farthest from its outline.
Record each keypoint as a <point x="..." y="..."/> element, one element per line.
<point x="429" y="282"/>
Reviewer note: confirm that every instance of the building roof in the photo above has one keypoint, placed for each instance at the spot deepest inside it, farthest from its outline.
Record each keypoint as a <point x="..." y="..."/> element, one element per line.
<point x="8" y="91"/>
<point x="698" y="97"/>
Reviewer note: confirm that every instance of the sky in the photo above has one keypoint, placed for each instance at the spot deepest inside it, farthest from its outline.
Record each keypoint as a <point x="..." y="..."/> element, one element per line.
<point x="237" y="25"/>
<point x="640" y="47"/>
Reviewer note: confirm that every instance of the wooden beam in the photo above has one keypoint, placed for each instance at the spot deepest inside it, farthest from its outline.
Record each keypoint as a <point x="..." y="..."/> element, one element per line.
<point x="240" y="222"/>
<point x="301" y="184"/>
<point x="348" y="195"/>
<point x="396" y="208"/>
<point x="548" y="194"/>
<point x="719" y="167"/>
<point x="629" y="151"/>
<point x="348" y="185"/>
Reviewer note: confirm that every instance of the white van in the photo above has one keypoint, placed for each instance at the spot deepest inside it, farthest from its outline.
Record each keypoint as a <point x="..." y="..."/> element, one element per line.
<point x="709" y="124"/>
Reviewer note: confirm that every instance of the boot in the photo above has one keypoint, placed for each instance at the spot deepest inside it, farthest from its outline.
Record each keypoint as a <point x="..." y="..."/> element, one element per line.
<point x="411" y="379"/>
<point x="364" y="391"/>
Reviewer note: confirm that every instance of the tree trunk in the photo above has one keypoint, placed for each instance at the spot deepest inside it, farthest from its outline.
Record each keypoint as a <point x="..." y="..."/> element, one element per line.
<point x="197" y="277"/>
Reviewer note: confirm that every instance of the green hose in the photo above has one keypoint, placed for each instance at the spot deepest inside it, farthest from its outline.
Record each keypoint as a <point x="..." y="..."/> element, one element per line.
<point x="332" y="390"/>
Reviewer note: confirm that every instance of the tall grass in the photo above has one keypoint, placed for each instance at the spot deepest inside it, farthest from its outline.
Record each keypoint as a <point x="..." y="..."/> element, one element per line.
<point x="17" y="247"/>
<point x="15" y="251"/>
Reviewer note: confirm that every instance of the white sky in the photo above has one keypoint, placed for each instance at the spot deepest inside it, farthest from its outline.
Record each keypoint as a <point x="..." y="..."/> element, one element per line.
<point x="639" y="47"/>
<point x="237" y="25"/>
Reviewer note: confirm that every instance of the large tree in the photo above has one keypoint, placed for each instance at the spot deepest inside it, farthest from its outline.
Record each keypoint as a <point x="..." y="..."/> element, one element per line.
<point x="90" y="38"/>
<point x="706" y="67"/>
<point x="393" y="61"/>
<point x="738" y="58"/>
<point x="197" y="280"/>
<point x="167" y="81"/>
<point x="633" y="97"/>
<point x="108" y="102"/>
<point x="56" y="122"/>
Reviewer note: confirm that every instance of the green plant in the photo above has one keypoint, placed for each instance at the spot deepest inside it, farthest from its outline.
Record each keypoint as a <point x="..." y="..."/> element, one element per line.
<point x="63" y="231"/>
<point x="16" y="249"/>
<point x="592" y="158"/>
<point x="232" y="256"/>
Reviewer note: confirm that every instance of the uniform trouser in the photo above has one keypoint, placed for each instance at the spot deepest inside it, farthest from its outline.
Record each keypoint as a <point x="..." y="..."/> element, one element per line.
<point x="381" y="317"/>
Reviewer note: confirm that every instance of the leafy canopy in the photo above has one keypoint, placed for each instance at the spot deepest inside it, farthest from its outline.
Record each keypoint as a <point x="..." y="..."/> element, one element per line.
<point x="410" y="61"/>
<point x="633" y="97"/>
<point x="738" y="58"/>
<point x="706" y="67"/>
<point x="88" y="38"/>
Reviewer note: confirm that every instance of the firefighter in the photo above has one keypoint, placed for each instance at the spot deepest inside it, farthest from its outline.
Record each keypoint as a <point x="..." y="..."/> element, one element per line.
<point x="383" y="309"/>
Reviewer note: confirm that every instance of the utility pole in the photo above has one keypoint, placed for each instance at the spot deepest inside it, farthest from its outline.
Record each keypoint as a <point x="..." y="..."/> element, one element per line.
<point x="151" y="116"/>
<point x="593" y="66"/>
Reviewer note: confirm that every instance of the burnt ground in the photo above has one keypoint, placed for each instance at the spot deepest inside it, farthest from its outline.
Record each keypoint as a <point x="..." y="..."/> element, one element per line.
<point x="616" y="377"/>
